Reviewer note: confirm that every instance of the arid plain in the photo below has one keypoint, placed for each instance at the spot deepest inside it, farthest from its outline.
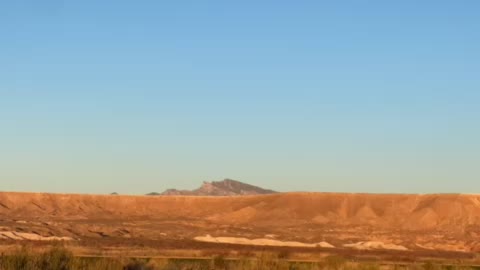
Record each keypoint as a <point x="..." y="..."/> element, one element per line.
<point x="389" y="225"/>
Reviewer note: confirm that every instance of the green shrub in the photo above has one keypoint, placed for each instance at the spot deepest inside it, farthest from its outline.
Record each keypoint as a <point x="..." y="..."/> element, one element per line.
<point x="19" y="260"/>
<point x="138" y="265"/>
<point x="57" y="258"/>
<point x="219" y="262"/>
<point x="334" y="262"/>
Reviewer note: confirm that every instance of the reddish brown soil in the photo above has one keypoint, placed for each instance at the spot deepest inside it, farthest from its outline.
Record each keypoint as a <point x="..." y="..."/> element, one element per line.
<point x="442" y="225"/>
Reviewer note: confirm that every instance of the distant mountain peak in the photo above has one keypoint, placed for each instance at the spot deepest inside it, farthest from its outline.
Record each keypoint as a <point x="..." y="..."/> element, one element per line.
<point x="226" y="187"/>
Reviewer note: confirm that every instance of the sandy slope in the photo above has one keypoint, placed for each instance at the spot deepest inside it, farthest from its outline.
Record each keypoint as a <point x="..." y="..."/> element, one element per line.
<point x="410" y="221"/>
<point x="259" y="242"/>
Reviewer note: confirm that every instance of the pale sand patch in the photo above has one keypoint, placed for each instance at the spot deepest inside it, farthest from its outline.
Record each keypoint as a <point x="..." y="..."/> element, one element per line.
<point x="374" y="245"/>
<point x="31" y="237"/>
<point x="259" y="242"/>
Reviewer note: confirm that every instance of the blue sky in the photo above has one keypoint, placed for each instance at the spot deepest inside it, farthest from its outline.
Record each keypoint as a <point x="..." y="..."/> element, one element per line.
<point x="139" y="96"/>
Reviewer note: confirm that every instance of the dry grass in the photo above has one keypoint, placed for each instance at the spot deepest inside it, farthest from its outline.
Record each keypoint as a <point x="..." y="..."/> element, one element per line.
<point x="60" y="258"/>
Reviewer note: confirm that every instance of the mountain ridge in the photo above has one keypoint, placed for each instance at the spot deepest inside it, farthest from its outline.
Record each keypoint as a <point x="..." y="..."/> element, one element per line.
<point x="226" y="187"/>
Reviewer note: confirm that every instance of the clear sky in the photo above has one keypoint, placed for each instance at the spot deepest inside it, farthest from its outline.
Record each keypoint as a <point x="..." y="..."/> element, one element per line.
<point x="139" y="96"/>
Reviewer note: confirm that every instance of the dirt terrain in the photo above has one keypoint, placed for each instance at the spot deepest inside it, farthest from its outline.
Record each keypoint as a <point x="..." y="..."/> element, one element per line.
<point x="327" y="221"/>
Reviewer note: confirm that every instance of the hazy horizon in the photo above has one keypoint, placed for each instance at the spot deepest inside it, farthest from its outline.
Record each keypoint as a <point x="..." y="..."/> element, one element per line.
<point x="134" y="98"/>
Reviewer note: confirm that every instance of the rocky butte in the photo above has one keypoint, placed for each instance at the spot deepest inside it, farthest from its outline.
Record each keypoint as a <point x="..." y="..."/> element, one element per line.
<point x="227" y="187"/>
